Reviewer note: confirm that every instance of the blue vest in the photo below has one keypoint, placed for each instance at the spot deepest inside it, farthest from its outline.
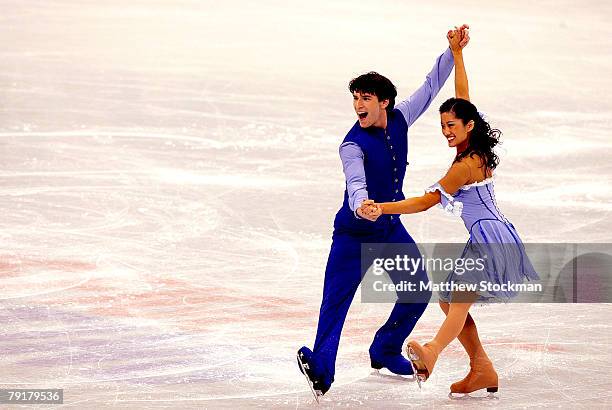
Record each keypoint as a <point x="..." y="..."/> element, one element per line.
<point x="385" y="152"/>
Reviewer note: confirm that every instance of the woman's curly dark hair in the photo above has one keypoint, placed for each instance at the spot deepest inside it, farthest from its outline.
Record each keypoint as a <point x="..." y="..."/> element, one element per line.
<point x="482" y="138"/>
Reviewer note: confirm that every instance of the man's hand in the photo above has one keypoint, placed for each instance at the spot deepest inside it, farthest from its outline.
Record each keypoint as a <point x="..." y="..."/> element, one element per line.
<point x="369" y="210"/>
<point x="458" y="38"/>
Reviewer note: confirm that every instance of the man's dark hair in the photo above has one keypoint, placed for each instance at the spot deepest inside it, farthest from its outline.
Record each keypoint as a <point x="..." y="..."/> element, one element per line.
<point x="374" y="83"/>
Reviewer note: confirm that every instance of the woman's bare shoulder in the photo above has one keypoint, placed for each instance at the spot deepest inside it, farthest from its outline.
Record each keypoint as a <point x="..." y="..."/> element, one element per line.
<point x="476" y="164"/>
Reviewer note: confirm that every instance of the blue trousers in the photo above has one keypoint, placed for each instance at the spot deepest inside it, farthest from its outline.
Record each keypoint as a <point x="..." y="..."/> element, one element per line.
<point x="342" y="277"/>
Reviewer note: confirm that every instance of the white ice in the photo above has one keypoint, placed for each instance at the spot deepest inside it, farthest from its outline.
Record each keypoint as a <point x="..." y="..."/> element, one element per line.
<point x="169" y="176"/>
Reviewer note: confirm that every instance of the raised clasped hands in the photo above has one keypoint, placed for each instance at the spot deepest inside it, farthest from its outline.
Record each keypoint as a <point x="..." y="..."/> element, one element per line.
<point x="369" y="210"/>
<point x="458" y="38"/>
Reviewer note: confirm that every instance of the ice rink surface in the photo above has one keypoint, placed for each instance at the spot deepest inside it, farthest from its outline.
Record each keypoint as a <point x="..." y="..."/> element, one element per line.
<point x="169" y="176"/>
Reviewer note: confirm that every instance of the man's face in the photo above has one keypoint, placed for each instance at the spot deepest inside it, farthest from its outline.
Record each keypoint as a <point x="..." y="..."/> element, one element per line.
<point x="370" y="111"/>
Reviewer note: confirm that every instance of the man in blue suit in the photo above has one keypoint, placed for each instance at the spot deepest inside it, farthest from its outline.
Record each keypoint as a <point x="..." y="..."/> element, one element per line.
<point x="373" y="155"/>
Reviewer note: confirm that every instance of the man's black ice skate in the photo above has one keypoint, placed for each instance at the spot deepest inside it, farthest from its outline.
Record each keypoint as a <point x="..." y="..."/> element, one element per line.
<point x="396" y="364"/>
<point x="318" y="386"/>
<point x="386" y="355"/>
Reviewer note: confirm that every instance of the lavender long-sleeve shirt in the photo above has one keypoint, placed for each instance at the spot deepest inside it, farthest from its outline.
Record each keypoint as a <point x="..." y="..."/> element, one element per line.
<point x="412" y="108"/>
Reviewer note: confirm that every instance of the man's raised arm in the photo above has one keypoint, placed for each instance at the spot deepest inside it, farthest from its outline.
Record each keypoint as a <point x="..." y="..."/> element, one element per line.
<point x="419" y="101"/>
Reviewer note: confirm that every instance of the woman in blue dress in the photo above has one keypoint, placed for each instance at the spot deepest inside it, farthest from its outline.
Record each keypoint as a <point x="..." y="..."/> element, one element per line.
<point x="467" y="191"/>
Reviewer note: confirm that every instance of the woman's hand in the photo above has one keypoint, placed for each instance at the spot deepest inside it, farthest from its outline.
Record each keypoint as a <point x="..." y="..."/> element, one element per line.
<point x="370" y="210"/>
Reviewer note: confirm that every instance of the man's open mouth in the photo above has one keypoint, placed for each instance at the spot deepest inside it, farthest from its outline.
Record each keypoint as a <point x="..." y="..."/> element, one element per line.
<point x="362" y="115"/>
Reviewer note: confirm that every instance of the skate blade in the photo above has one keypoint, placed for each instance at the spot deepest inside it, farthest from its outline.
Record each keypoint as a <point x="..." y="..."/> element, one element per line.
<point x="474" y="396"/>
<point x="315" y="393"/>
<point x="414" y="358"/>
<point x="387" y="374"/>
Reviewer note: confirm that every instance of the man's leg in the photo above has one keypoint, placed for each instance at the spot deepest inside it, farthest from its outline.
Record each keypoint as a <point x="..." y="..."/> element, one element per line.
<point x="386" y="348"/>
<point x="342" y="277"/>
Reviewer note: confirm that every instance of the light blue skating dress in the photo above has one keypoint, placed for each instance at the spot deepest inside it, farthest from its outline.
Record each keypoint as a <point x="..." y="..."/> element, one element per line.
<point x="492" y="238"/>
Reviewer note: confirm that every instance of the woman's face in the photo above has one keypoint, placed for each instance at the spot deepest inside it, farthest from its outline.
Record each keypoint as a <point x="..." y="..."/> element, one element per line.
<point x="456" y="133"/>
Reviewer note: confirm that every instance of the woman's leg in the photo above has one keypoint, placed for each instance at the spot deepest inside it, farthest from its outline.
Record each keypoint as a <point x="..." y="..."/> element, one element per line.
<point x="454" y="322"/>
<point x="469" y="336"/>
<point x="424" y="357"/>
<point x="481" y="374"/>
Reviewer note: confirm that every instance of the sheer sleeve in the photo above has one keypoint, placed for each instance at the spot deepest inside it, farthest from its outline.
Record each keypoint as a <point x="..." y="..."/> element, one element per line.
<point x="447" y="202"/>
<point x="455" y="178"/>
